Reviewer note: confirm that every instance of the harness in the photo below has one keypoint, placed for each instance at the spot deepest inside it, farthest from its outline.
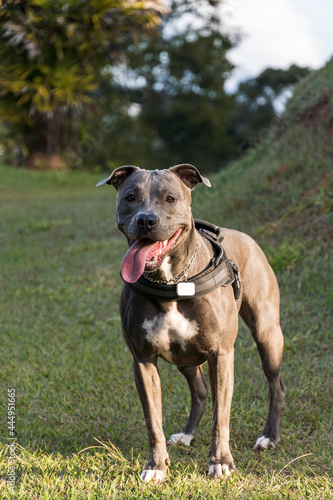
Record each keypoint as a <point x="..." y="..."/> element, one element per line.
<point x="221" y="272"/>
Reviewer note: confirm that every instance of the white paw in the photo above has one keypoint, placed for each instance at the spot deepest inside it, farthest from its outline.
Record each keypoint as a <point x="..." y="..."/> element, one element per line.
<point x="264" y="442"/>
<point x="218" y="470"/>
<point x="181" y="438"/>
<point x="152" y="475"/>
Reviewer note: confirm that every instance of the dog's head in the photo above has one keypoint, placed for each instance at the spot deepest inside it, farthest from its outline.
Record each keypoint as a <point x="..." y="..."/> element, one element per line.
<point x="153" y="212"/>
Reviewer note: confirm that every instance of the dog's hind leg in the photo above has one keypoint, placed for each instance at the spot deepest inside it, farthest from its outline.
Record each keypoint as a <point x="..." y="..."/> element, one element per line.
<point x="199" y="389"/>
<point x="263" y="321"/>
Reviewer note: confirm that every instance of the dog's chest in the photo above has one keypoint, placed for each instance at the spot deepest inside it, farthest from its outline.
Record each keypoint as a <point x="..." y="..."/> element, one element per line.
<point x="169" y="327"/>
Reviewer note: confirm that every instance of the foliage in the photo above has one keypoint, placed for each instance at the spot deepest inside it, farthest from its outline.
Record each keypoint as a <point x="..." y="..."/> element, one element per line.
<point x="169" y="104"/>
<point x="184" y="111"/>
<point x="88" y="81"/>
<point x="50" y="55"/>
<point x="256" y="100"/>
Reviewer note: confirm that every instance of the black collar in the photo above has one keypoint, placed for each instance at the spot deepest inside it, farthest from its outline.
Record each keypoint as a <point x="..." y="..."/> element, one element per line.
<point x="221" y="272"/>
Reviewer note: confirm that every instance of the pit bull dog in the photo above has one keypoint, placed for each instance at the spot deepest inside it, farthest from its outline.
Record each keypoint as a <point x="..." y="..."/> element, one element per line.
<point x="153" y="211"/>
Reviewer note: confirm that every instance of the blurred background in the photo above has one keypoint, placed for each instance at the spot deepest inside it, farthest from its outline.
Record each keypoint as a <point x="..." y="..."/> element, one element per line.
<point x="100" y="83"/>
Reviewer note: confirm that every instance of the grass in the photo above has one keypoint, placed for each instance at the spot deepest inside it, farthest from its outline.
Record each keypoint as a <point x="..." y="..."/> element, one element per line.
<point x="80" y="429"/>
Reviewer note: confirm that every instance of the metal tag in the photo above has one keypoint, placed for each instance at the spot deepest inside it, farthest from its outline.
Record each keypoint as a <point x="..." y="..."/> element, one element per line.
<point x="185" y="289"/>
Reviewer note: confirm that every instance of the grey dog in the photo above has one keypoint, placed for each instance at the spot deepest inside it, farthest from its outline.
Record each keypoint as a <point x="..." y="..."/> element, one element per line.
<point x="153" y="211"/>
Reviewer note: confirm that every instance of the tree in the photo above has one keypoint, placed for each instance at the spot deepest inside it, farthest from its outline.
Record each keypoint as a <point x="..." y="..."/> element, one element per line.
<point x="183" y="112"/>
<point x="256" y="102"/>
<point x="51" y="54"/>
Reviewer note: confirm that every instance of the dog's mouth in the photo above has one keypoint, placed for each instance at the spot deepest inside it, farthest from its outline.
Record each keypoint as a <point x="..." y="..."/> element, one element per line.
<point x="145" y="255"/>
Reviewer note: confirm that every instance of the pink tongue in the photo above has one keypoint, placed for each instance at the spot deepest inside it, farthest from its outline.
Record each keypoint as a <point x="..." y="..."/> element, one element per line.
<point x="134" y="262"/>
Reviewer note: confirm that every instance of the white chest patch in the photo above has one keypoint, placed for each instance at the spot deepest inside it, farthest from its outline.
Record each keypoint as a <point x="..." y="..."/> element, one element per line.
<point x="166" y="268"/>
<point x="169" y="327"/>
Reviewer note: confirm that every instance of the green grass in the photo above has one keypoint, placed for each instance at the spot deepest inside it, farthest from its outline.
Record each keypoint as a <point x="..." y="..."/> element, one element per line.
<point x="62" y="347"/>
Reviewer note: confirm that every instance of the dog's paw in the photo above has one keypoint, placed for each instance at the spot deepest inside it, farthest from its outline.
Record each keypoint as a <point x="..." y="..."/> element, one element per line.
<point x="264" y="442"/>
<point x="158" y="476"/>
<point x="220" y="470"/>
<point x="181" y="438"/>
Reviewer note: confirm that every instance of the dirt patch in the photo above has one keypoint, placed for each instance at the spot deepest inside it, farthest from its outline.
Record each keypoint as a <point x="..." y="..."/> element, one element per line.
<point x="318" y="115"/>
<point x="40" y="161"/>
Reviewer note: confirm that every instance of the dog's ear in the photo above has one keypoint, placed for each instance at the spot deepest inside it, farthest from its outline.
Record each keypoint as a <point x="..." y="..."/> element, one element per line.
<point x="118" y="176"/>
<point x="190" y="175"/>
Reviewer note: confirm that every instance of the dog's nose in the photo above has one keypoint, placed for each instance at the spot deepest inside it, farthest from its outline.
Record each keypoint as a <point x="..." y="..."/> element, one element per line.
<point x="146" y="221"/>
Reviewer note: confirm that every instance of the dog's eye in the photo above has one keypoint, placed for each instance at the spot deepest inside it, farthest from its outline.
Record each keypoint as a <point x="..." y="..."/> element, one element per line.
<point x="130" y="197"/>
<point x="170" y="199"/>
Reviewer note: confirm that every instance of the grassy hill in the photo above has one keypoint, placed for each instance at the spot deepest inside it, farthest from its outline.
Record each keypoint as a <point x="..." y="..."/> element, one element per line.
<point x="63" y="352"/>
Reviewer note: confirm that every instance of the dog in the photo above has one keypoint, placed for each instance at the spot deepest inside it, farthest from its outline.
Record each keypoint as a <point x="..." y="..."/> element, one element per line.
<point x="167" y="251"/>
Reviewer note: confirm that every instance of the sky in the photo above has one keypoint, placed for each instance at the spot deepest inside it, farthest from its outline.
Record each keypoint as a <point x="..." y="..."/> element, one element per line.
<point x="278" y="33"/>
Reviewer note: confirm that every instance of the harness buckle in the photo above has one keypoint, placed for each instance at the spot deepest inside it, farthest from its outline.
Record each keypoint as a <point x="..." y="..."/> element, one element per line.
<point x="236" y="284"/>
<point x="185" y="289"/>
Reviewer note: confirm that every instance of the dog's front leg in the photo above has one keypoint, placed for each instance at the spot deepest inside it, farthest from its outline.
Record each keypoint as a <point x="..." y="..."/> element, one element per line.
<point x="148" y="384"/>
<point x="221" y="375"/>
